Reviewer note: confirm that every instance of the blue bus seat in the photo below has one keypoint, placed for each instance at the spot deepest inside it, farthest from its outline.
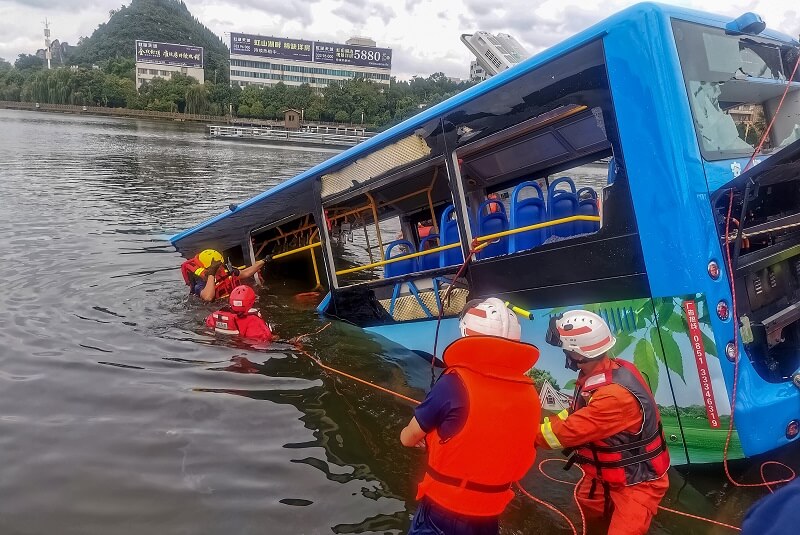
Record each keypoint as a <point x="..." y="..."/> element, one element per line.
<point x="430" y="261"/>
<point x="448" y="232"/>
<point x="491" y="223"/>
<point x="587" y="205"/>
<point x="525" y="212"/>
<point x="399" y="268"/>
<point x="561" y="204"/>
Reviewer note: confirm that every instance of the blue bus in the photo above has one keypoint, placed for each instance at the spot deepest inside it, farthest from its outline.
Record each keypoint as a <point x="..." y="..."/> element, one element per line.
<point x="610" y="173"/>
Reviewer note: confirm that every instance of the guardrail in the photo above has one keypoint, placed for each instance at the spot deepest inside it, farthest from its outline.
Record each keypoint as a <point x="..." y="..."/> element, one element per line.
<point x="175" y="116"/>
<point x="287" y="136"/>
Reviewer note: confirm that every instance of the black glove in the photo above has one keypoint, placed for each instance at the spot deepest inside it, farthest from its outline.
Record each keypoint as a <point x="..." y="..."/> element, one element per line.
<point x="213" y="268"/>
<point x="267" y="258"/>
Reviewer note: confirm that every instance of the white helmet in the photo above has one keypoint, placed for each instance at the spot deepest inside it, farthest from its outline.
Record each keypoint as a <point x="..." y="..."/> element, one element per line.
<point x="489" y="318"/>
<point x="582" y="332"/>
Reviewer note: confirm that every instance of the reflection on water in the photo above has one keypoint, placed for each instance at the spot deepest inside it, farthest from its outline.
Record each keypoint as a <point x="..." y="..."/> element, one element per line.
<point x="119" y="414"/>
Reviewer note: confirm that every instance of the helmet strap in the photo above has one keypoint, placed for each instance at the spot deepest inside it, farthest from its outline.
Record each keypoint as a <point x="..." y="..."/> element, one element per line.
<point x="572" y="363"/>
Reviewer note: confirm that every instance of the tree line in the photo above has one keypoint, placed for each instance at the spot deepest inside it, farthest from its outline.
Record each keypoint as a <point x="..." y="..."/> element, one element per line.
<point x="112" y="84"/>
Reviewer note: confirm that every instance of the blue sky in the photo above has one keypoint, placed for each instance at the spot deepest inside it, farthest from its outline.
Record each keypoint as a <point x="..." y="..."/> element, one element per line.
<point x="423" y="33"/>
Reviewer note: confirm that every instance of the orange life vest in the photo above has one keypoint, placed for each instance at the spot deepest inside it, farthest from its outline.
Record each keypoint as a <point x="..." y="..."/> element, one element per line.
<point x="225" y="281"/>
<point x="472" y="472"/>
<point x="625" y="458"/>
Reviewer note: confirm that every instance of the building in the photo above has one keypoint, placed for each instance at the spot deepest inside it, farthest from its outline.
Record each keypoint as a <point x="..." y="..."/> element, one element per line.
<point x="553" y="400"/>
<point x="495" y="53"/>
<point x="476" y="72"/>
<point x="163" y="60"/>
<point x="263" y="60"/>
<point x="292" y="119"/>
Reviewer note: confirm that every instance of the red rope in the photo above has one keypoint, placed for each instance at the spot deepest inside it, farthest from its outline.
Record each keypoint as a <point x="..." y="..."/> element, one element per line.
<point x="729" y="262"/>
<point x="775" y="115"/>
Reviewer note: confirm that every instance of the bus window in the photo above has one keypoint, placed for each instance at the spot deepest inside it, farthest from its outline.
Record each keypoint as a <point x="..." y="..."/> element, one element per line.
<point x="392" y="220"/>
<point x="734" y="84"/>
<point x="295" y="246"/>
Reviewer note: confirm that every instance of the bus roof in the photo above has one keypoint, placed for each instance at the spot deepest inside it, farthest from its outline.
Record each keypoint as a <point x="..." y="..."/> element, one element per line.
<point x="226" y="229"/>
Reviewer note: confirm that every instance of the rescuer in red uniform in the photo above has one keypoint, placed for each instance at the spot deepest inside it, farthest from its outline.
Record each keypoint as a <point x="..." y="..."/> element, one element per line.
<point x="208" y="277"/>
<point x="613" y="428"/>
<point x="479" y="423"/>
<point x="239" y="318"/>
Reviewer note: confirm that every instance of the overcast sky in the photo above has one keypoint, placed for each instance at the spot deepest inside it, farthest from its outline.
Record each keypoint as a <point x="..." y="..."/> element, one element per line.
<point x="423" y="33"/>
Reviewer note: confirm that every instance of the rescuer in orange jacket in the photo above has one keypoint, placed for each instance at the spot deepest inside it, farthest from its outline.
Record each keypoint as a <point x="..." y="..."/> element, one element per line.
<point x="479" y="423"/>
<point x="208" y="277"/>
<point x="239" y="318"/>
<point x="613" y="428"/>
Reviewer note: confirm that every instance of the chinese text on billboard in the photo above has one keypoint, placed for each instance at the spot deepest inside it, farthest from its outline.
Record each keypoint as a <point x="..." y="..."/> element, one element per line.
<point x="169" y="54"/>
<point x="317" y="51"/>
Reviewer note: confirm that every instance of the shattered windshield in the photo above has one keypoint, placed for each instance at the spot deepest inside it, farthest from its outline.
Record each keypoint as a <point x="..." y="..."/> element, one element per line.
<point x="734" y="84"/>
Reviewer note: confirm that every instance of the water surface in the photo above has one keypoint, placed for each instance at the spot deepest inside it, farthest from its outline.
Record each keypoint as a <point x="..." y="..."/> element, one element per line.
<point x="120" y="414"/>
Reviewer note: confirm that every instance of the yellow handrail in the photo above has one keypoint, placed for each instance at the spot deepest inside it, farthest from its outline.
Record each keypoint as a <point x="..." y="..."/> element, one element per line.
<point x="490" y="237"/>
<point x="399" y="258"/>
<point x="295" y="251"/>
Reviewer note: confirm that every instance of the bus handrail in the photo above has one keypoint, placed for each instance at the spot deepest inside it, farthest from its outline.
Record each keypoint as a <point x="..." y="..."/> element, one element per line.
<point x="488" y="237"/>
<point x="570" y="219"/>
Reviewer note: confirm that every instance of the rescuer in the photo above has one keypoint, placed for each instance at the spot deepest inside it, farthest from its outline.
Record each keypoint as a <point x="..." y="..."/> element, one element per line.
<point x="239" y="318"/>
<point x="208" y="277"/>
<point x="613" y="428"/>
<point x="472" y="461"/>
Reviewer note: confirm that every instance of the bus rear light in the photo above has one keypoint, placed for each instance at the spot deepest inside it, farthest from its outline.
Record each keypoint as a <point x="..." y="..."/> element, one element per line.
<point x="723" y="311"/>
<point x="792" y="429"/>
<point x="713" y="269"/>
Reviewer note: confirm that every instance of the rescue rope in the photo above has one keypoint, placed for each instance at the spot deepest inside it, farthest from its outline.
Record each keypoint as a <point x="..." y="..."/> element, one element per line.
<point x="731" y="276"/>
<point x="298" y="345"/>
<point x="476" y="247"/>
<point x="729" y="261"/>
<point x="296" y="342"/>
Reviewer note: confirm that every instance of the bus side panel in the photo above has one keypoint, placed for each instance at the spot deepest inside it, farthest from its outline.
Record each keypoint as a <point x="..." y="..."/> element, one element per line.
<point x="687" y="356"/>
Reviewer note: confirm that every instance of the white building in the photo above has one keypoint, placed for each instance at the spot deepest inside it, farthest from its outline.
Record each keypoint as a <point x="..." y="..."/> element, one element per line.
<point x="163" y="60"/>
<point x="476" y="72"/>
<point x="553" y="400"/>
<point x="264" y="60"/>
<point x="495" y="53"/>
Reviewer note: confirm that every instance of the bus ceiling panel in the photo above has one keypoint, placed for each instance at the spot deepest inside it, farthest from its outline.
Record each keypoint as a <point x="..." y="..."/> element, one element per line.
<point x="403" y="152"/>
<point x="569" y="144"/>
<point x="525" y="154"/>
<point x="424" y="168"/>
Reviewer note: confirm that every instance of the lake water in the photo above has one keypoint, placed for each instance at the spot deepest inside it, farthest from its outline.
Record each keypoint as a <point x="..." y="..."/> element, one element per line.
<point x="120" y="414"/>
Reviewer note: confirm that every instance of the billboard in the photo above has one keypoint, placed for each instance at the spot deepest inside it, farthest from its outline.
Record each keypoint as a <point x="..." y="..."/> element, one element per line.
<point x="271" y="47"/>
<point x="169" y="54"/>
<point x="361" y="56"/>
<point x="316" y="51"/>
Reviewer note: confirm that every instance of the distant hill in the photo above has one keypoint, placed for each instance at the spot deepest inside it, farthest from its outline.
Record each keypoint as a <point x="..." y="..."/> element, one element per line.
<point x="167" y="21"/>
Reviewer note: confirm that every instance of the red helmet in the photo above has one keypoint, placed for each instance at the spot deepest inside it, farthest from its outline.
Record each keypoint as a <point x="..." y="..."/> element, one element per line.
<point x="242" y="299"/>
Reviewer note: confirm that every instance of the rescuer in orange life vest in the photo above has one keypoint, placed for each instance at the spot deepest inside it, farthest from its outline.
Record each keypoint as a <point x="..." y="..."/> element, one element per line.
<point x="239" y="318"/>
<point x="479" y="423"/>
<point x="208" y="277"/>
<point x="613" y="428"/>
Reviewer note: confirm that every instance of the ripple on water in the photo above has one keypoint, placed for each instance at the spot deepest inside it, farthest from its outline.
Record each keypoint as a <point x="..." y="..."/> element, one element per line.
<point x="119" y="414"/>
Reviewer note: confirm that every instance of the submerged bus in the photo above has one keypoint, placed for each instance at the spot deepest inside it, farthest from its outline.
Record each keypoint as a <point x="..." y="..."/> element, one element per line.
<point x="601" y="174"/>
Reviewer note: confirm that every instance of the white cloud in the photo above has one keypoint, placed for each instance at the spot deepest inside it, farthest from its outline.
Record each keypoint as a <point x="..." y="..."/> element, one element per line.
<point x="423" y="33"/>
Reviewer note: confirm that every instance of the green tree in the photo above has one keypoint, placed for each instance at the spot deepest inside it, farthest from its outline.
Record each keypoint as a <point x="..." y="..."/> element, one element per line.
<point x="196" y="99"/>
<point x="244" y="110"/>
<point x="341" y="116"/>
<point x="257" y="110"/>
<point x="29" y="62"/>
<point x="540" y="376"/>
